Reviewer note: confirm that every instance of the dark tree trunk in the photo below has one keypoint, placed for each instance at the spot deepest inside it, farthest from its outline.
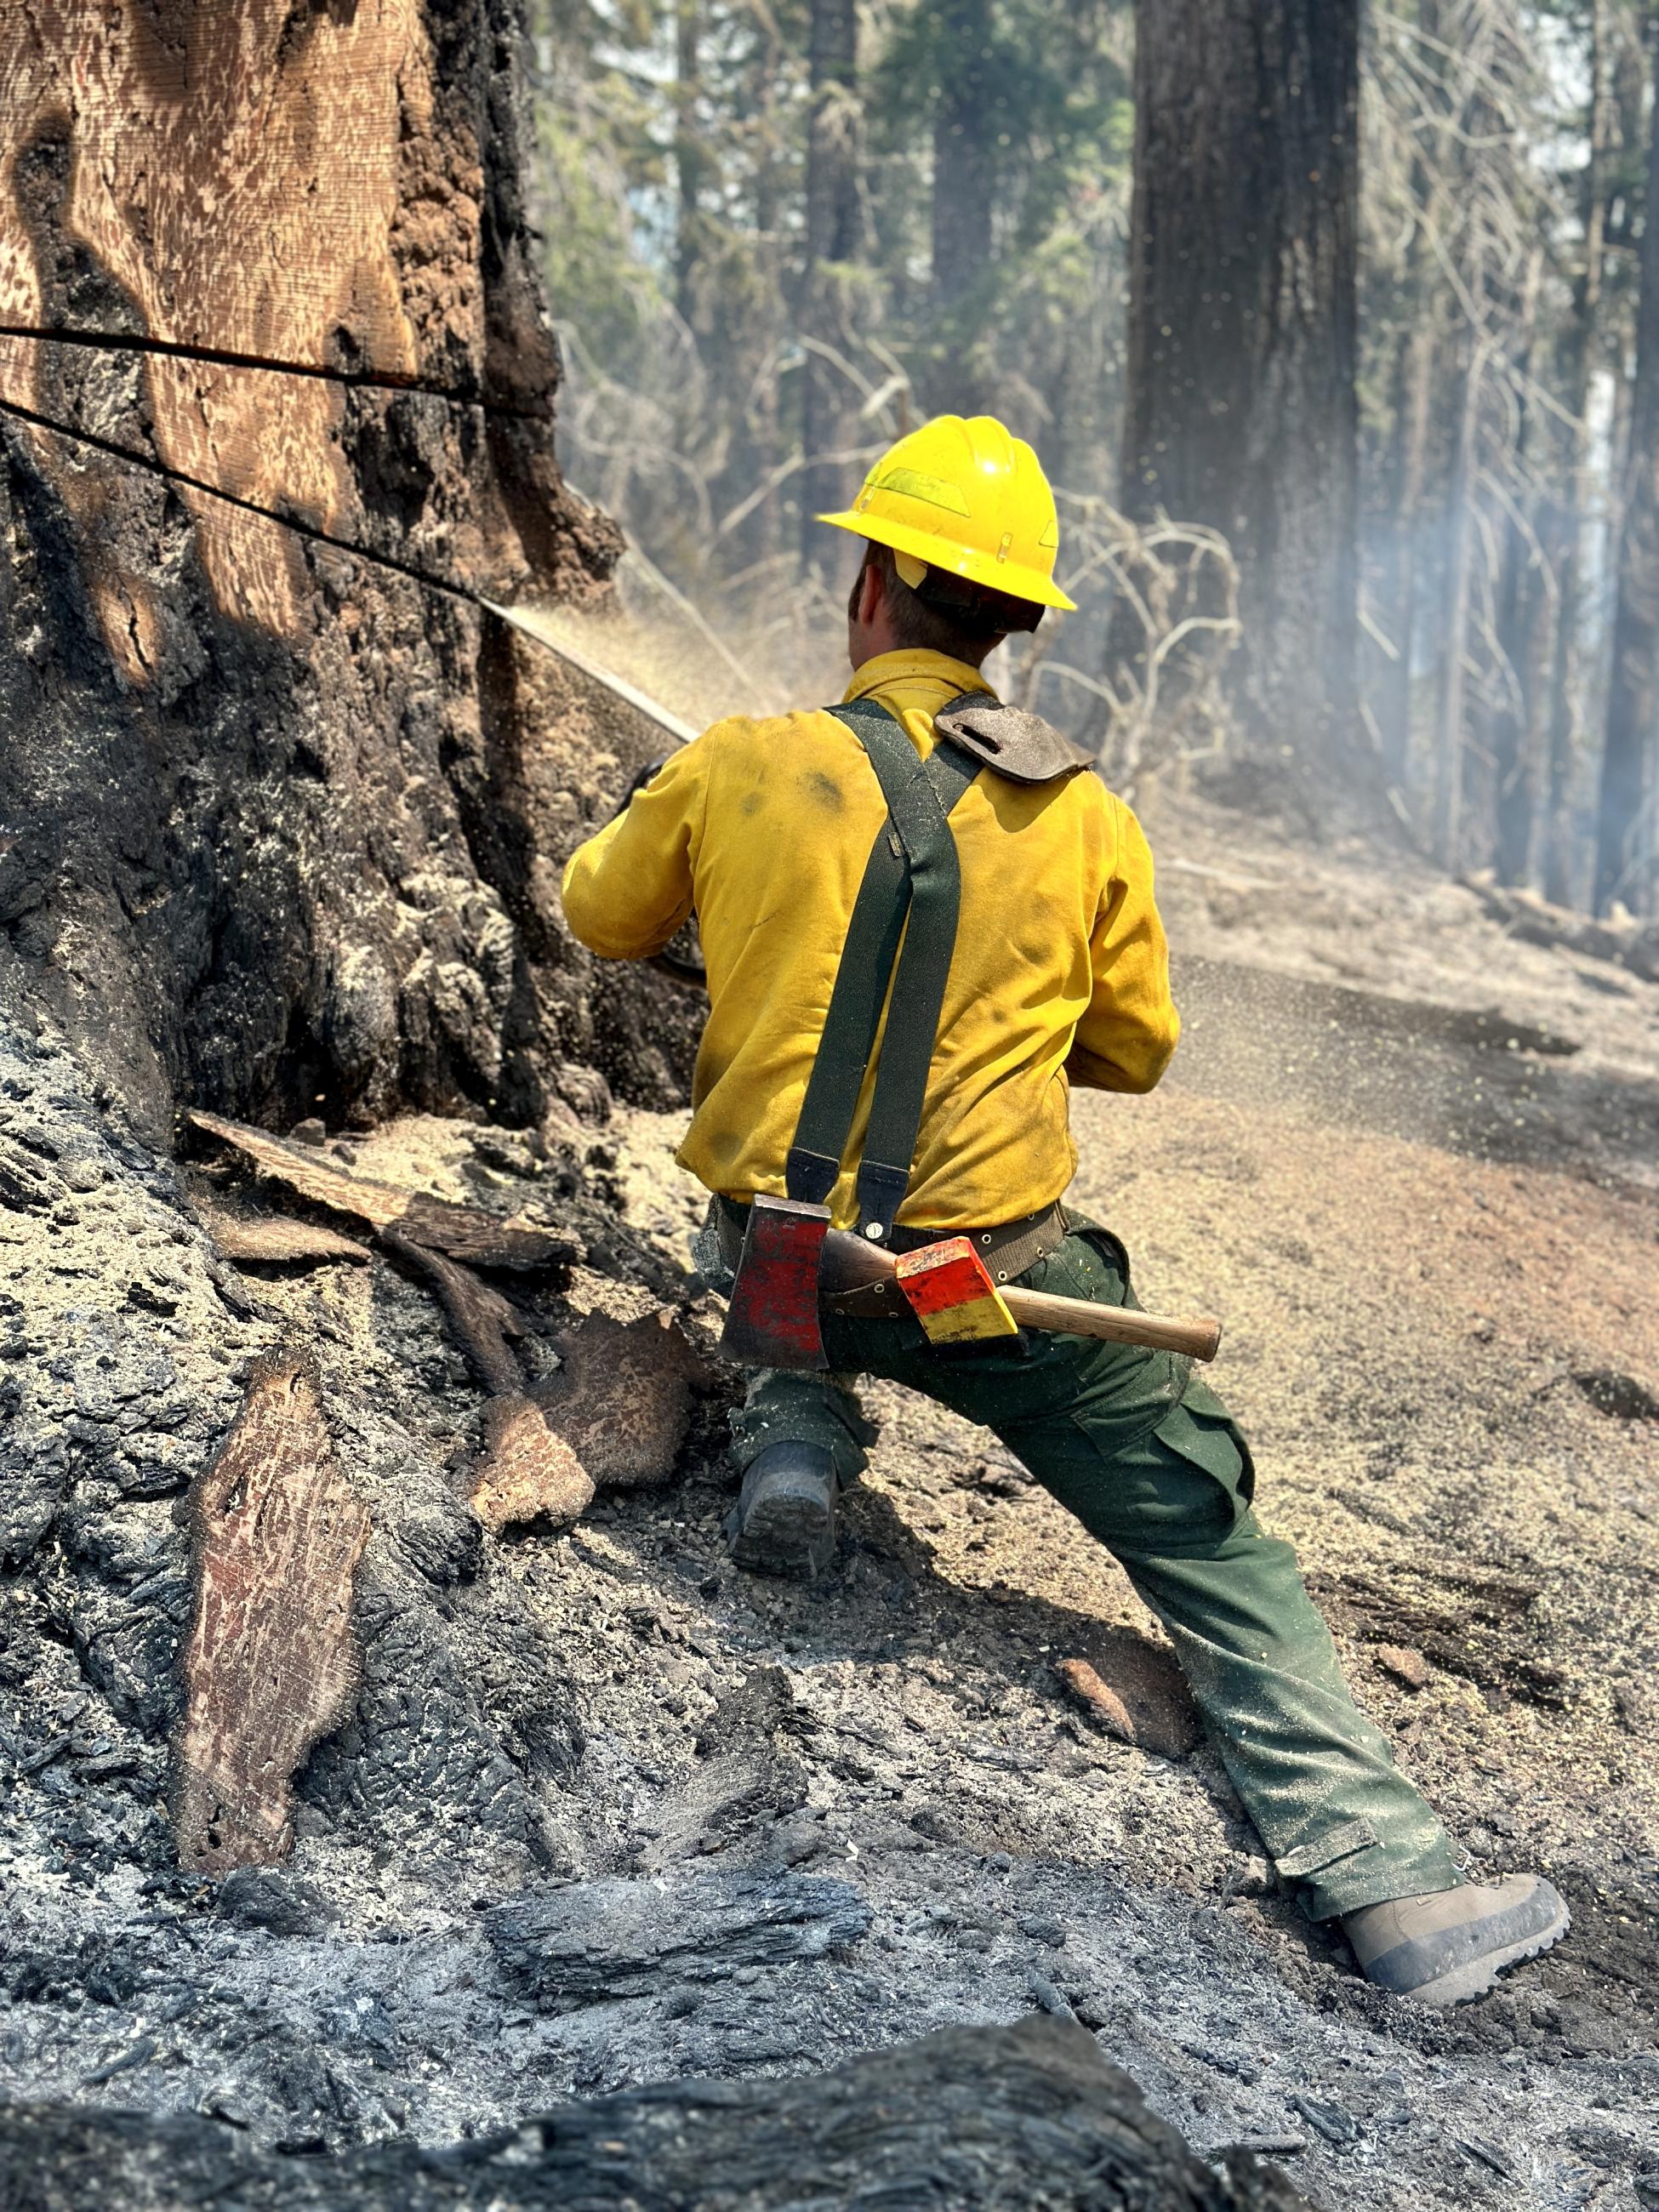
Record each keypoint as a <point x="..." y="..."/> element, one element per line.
<point x="272" y="817"/>
<point x="966" y="121"/>
<point x="1526" y="628"/>
<point x="1242" y="412"/>
<point x="1623" y="833"/>
<point x="692" y="165"/>
<point x="833" y="229"/>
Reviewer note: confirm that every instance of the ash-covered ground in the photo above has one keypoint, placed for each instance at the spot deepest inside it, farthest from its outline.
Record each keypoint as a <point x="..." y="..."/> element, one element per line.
<point x="872" y="1802"/>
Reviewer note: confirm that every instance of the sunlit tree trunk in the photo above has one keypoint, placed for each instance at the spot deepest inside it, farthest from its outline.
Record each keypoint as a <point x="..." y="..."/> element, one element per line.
<point x="282" y="822"/>
<point x="1566" y="524"/>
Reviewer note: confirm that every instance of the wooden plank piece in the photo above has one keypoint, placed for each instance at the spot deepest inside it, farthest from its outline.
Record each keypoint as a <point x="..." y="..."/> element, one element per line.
<point x="271" y="1664"/>
<point x="465" y="1232"/>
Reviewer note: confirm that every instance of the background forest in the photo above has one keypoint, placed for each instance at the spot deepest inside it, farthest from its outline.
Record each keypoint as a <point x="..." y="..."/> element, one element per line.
<point x="1337" y="329"/>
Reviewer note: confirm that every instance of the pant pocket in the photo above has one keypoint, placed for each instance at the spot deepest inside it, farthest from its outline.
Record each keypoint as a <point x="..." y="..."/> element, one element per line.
<point x="1218" y="1435"/>
<point x="1209" y="1440"/>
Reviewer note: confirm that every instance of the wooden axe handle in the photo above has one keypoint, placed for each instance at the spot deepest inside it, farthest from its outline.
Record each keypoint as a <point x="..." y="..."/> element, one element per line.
<point x="1199" y="1338"/>
<point x="849" y="1262"/>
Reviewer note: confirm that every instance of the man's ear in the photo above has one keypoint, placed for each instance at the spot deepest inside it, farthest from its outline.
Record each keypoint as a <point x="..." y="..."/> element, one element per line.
<point x="870" y="593"/>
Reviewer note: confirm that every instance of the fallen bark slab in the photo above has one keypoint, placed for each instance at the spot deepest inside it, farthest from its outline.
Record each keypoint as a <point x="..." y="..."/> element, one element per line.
<point x="1027" y="2118"/>
<point x="1625" y="941"/>
<point x="271" y="1664"/>
<point x="1466" y="1621"/>
<point x="622" y="1399"/>
<point x="527" y="1471"/>
<point x="593" y="1940"/>
<point x="463" y="1231"/>
<point x="273" y="1239"/>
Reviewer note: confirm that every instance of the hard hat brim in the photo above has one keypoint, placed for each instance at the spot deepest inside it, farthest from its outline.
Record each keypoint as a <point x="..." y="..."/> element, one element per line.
<point x="1018" y="581"/>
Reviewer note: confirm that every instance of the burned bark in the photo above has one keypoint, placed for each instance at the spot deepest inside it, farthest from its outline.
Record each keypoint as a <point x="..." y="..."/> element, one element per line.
<point x="461" y="1232"/>
<point x="622" y="1398"/>
<point x="1021" y="2118"/>
<point x="274" y="372"/>
<point x="271" y="1664"/>
<point x="527" y="1472"/>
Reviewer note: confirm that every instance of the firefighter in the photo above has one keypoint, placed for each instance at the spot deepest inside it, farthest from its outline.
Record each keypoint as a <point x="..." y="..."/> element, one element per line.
<point x="1052" y="970"/>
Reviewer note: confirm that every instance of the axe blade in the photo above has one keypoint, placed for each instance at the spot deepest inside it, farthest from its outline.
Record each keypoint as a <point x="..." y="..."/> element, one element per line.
<point x="772" y="1315"/>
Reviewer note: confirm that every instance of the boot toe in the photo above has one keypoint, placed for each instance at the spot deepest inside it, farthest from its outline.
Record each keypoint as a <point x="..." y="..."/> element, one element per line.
<point x="1482" y="1929"/>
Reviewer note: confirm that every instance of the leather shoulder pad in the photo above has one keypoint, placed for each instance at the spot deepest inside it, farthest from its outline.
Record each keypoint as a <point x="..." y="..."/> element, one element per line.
<point x="1020" y="745"/>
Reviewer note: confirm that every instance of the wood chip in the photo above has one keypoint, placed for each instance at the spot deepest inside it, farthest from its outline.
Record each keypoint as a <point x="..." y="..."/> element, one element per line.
<point x="463" y="1231"/>
<point x="1141" y="1699"/>
<point x="1406" y="1665"/>
<point x="271" y="1664"/>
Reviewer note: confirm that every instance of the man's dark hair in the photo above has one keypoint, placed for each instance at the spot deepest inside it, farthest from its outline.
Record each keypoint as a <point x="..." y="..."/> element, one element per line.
<point x="967" y="631"/>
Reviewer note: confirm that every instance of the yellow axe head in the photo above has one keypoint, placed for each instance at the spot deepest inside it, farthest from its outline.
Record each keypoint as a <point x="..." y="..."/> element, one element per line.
<point x="950" y="1290"/>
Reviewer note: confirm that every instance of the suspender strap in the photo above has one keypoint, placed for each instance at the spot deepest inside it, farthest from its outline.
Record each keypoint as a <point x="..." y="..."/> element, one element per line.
<point x="912" y="877"/>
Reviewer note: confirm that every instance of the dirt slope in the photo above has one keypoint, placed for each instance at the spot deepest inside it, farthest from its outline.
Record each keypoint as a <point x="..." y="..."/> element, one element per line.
<point x="1445" y="1349"/>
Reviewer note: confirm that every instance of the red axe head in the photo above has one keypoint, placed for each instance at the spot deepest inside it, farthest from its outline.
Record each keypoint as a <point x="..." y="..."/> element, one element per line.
<point x="772" y="1316"/>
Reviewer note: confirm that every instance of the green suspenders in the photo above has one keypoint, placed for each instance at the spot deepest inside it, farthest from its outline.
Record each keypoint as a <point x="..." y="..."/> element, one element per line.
<point x="912" y="872"/>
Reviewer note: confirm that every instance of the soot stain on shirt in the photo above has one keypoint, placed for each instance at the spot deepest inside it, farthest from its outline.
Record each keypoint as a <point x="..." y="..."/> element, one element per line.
<point x="823" y="790"/>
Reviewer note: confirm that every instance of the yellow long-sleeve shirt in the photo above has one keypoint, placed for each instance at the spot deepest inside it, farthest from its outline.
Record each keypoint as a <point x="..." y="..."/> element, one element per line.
<point x="763" y="827"/>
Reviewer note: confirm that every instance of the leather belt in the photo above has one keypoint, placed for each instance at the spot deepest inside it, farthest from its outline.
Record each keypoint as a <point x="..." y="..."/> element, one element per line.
<point x="1008" y="1249"/>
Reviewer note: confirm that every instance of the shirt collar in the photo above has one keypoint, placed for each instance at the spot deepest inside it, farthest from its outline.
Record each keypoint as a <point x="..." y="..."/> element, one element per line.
<point x="915" y="664"/>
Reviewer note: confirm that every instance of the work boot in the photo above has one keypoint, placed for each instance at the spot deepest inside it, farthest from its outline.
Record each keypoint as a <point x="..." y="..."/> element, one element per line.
<point x="1449" y="1945"/>
<point x="786" y="1519"/>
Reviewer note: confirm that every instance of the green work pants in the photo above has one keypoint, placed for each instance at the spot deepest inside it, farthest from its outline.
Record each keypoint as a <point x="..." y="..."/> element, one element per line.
<point x="1147" y="1458"/>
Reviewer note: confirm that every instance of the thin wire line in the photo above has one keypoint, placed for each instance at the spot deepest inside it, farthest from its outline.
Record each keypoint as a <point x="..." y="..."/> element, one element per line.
<point x="376" y="380"/>
<point x="249" y="507"/>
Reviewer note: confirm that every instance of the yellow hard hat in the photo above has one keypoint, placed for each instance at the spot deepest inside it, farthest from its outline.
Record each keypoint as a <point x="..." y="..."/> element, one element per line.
<point x="962" y="495"/>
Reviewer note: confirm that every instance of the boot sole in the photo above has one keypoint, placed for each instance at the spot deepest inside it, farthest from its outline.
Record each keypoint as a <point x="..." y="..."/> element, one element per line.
<point x="786" y="1537"/>
<point x="1479" y="1975"/>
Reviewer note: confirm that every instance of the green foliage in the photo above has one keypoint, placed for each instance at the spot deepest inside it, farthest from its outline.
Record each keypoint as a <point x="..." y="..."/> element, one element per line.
<point x="672" y="206"/>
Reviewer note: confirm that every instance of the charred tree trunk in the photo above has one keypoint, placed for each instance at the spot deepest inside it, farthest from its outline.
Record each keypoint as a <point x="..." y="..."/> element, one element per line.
<point x="1623" y="834"/>
<point x="833" y="144"/>
<point x="966" y="122"/>
<point x="1022" y="2118"/>
<point x="276" y="405"/>
<point x="1242" y="411"/>
<point x="692" y="164"/>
